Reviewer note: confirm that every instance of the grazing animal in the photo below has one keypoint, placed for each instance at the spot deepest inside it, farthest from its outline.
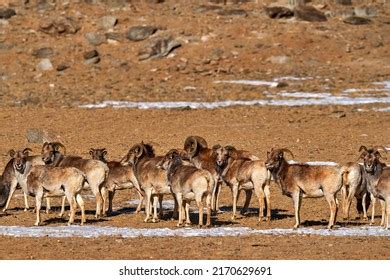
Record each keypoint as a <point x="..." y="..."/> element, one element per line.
<point x="203" y="157"/>
<point x="47" y="181"/>
<point x="151" y="179"/>
<point x="299" y="180"/>
<point x="188" y="183"/>
<point x="376" y="172"/>
<point x="355" y="185"/>
<point x="121" y="176"/>
<point x="95" y="171"/>
<point x="244" y="174"/>
<point x="15" y="174"/>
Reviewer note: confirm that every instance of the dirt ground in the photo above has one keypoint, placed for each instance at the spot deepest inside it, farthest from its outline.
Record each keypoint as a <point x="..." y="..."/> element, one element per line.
<point x="214" y="47"/>
<point x="311" y="133"/>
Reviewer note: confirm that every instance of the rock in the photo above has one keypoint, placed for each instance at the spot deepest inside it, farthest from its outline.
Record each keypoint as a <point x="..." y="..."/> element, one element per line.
<point x="158" y="48"/>
<point x="356" y="20"/>
<point x="114" y="36"/>
<point x="155" y="1"/>
<point x="365" y="11"/>
<point x="7" y="13"/>
<point x="344" y="2"/>
<point x="95" y="39"/>
<point x="282" y="59"/>
<point x="90" y="54"/>
<point x="207" y="9"/>
<point x="93" y="60"/>
<point x="61" y="25"/>
<point x="278" y="12"/>
<point x="309" y="13"/>
<point x="139" y="33"/>
<point x="108" y="22"/>
<point x="233" y="12"/>
<point x="43" y="52"/>
<point x="62" y="67"/>
<point x="45" y="65"/>
<point x="40" y="136"/>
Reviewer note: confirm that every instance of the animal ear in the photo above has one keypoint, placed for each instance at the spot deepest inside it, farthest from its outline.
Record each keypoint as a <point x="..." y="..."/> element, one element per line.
<point x="378" y="155"/>
<point x="363" y="148"/>
<point x="268" y="154"/>
<point x="91" y="151"/>
<point x="11" y="153"/>
<point x="104" y="153"/>
<point x="26" y="151"/>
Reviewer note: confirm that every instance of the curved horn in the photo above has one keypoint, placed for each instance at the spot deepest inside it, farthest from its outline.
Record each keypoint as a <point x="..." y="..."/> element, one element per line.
<point x="191" y="145"/>
<point x="11" y="153"/>
<point x="284" y="150"/>
<point x="362" y="148"/>
<point x="91" y="151"/>
<point x="139" y="149"/>
<point x="26" y="151"/>
<point x="57" y="145"/>
<point x="216" y="147"/>
<point x="381" y="148"/>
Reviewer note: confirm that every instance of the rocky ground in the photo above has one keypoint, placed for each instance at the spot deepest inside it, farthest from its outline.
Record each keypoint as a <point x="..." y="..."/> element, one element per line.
<point x="58" y="55"/>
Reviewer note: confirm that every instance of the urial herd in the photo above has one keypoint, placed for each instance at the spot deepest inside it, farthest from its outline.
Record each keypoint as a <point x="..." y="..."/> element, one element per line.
<point x="194" y="173"/>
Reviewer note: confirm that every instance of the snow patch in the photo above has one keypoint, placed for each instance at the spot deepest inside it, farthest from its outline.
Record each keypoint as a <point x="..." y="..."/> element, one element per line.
<point x="96" y="231"/>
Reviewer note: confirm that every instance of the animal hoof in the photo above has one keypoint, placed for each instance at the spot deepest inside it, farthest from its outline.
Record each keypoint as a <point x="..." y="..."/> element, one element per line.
<point x="69" y="224"/>
<point x="36" y="224"/>
<point x="26" y="209"/>
<point x="365" y="219"/>
<point x="178" y="224"/>
<point x="267" y="219"/>
<point x="187" y="224"/>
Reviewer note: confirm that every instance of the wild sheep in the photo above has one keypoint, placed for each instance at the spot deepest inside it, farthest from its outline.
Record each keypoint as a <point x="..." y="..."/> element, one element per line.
<point x="244" y="174"/>
<point x="151" y="179"/>
<point x="121" y="176"/>
<point x="299" y="180"/>
<point x="47" y="181"/>
<point x="188" y="183"/>
<point x="354" y="185"/>
<point x="374" y="169"/>
<point x="95" y="171"/>
<point x="22" y="162"/>
<point x="203" y="157"/>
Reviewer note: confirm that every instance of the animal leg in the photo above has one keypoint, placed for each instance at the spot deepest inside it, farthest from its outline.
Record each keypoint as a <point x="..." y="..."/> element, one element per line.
<point x="248" y="196"/>
<point x="38" y="204"/>
<point x="80" y="202"/>
<point x="330" y="198"/>
<point x="267" y="193"/>
<point x="297" y="197"/>
<point x="235" y="197"/>
<point x="14" y="183"/>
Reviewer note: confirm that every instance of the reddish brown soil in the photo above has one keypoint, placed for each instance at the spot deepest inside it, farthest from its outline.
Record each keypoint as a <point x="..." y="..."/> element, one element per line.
<point x="311" y="133"/>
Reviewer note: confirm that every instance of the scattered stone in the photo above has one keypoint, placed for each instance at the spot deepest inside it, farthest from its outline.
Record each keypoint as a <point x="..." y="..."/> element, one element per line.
<point x="344" y="2"/>
<point x="233" y="12"/>
<point x="90" y="54"/>
<point x="7" y="13"/>
<point x="40" y="136"/>
<point x="62" y="67"/>
<point x="365" y="11"/>
<point x="338" y="114"/>
<point x="95" y="39"/>
<point x="45" y="65"/>
<point x="159" y="48"/>
<point x="114" y="36"/>
<point x="43" y="52"/>
<point x="309" y="13"/>
<point x="108" y="22"/>
<point x="155" y="1"/>
<point x="356" y="20"/>
<point x="61" y="25"/>
<point x="93" y="60"/>
<point x="207" y="9"/>
<point x="282" y="59"/>
<point x="278" y="12"/>
<point x="139" y="33"/>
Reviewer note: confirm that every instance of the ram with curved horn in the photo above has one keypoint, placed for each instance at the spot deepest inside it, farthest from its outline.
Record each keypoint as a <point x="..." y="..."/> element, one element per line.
<point x="95" y="171"/>
<point x="121" y="176"/>
<point x="375" y="171"/>
<point x="15" y="174"/>
<point x="203" y="157"/>
<point x="244" y="174"/>
<point x="300" y="180"/>
<point x="152" y="180"/>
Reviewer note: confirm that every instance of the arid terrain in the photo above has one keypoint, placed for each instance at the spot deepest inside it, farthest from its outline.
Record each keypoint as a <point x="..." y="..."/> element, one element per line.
<point x="300" y="60"/>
